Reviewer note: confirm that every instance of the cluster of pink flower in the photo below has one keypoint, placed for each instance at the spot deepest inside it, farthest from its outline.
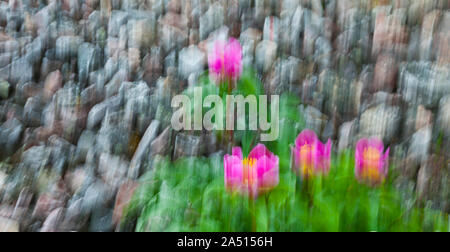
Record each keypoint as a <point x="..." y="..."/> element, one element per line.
<point x="259" y="172"/>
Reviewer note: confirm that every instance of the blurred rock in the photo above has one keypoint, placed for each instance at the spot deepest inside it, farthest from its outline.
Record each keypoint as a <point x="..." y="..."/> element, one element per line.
<point x="420" y="145"/>
<point x="385" y="75"/>
<point x="429" y="27"/>
<point x="67" y="47"/>
<point x="32" y="112"/>
<point x="432" y="183"/>
<point x="143" y="149"/>
<point x="10" y="135"/>
<point x="163" y="143"/>
<point x="51" y="224"/>
<point x="118" y="18"/>
<point x="141" y="32"/>
<point x="4" y="89"/>
<point x="314" y="119"/>
<point x="443" y="120"/>
<point x="88" y="60"/>
<point x="112" y="169"/>
<point x="191" y="60"/>
<point x="347" y="134"/>
<point x="53" y="82"/>
<point x="173" y="33"/>
<point x="265" y="55"/>
<point x="8" y="225"/>
<point x="123" y="198"/>
<point x="271" y="29"/>
<point x="423" y="83"/>
<point x="211" y="20"/>
<point x="98" y="112"/>
<point x="187" y="146"/>
<point x="381" y="121"/>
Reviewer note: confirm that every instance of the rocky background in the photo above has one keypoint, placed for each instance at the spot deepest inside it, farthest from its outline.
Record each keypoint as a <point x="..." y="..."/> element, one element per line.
<point x="85" y="88"/>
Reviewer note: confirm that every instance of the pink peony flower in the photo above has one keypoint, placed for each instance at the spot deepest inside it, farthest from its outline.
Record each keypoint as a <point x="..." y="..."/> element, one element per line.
<point x="253" y="175"/>
<point x="225" y="60"/>
<point x="371" y="164"/>
<point x="310" y="156"/>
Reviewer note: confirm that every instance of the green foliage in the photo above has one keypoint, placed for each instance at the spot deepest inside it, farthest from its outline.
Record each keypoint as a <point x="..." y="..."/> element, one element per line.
<point x="189" y="195"/>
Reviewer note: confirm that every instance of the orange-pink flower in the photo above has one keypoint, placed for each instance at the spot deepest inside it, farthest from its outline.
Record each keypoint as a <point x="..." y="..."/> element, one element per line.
<point x="253" y="175"/>
<point x="310" y="156"/>
<point x="371" y="162"/>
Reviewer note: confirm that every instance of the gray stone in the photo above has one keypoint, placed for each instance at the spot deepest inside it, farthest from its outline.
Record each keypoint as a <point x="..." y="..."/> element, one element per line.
<point x="9" y="225"/>
<point x="114" y="84"/>
<point x="143" y="149"/>
<point x="172" y="37"/>
<point x="101" y="220"/>
<point x="74" y="218"/>
<point x="118" y="18"/>
<point x="381" y="121"/>
<point x="53" y="221"/>
<point x="35" y="50"/>
<point x="138" y="107"/>
<point x="112" y="169"/>
<point x="423" y="83"/>
<point x="97" y="195"/>
<point x="98" y="112"/>
<point x="20" y="70"/>
<point x="67" y="47"/>
<point x="187" y="146"/>
<point x="141" y="33"/>
<point x="10" y="135"/>
<point x="249" y="39"/>
<point x="113" y="137"/>
<point x="323" y="53"/>
<point x="111" y="68"/>
<point x="211" y="20"/>
<point x="314" y="119"/>
<point x="443" y="117"/>
<point x="36" y="157"/>
<point x="88" y="60"/>
<point x="5" y="59"/>
<point x="4" y="89"/>
<point x="347" y="133"/>
<point x="297" y="27"/>
<point x="265" y="55"/>
<point x="432" y="184"/>
<point x="271" y="30"/>
<point x="163" y="143"/>
<point x="85" y="142"/>
<point x="191" y="60"/>
<point x="420" y="144"/>
<point x="32" y="112"/>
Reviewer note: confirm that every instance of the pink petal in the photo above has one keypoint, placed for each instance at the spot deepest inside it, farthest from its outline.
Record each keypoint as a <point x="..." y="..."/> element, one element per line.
<point x="259" y="151"/>
<point x="376" y="143"/>
<point x="307" y="136"/>
<point x="267" y="172"/>
<point x="361" y="145"/>
<point x="237" y="151"/>
<point x="233" y="58"/>
<point x="233" y="170"/>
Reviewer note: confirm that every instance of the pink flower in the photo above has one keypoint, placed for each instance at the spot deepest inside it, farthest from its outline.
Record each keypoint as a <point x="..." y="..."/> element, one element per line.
<point x="225" y="60"/>
<point x="310" y="156"/>
<point x="371" y="165"/>
<point x="253" y="175"/>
